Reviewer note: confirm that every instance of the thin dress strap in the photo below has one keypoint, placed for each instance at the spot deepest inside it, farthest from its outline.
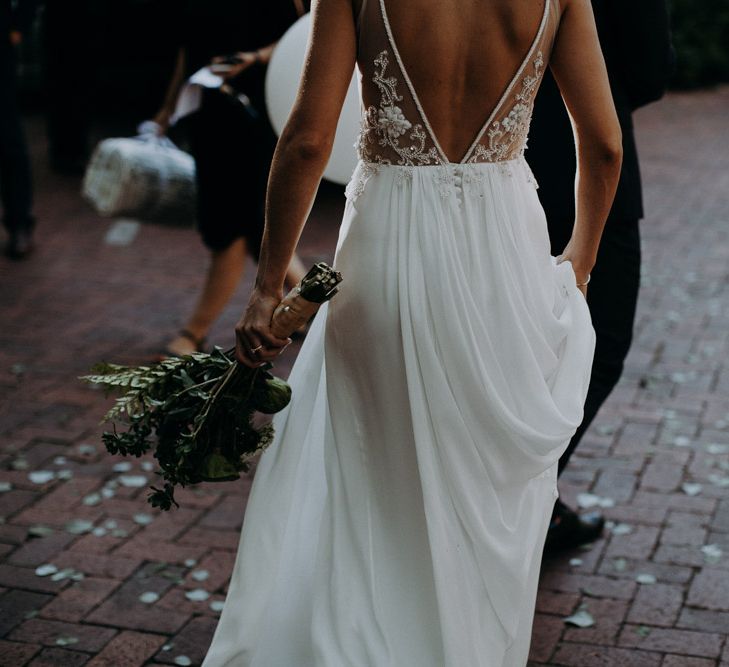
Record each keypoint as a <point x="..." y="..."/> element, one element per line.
<point x="395" y="127"/>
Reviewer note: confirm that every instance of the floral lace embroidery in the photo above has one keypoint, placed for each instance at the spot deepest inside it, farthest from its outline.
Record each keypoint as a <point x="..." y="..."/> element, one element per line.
<point x="514" y="127"/>
<point x="386" y="124"/>
<point x="363" y="172"/>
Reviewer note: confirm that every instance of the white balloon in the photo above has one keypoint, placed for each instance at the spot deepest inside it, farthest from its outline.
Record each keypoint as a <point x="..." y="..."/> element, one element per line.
<point x="282" y="83"/>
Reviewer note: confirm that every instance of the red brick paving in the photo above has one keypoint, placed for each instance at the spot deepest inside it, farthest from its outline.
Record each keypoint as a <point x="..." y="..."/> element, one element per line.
<point x="80" y="300"/>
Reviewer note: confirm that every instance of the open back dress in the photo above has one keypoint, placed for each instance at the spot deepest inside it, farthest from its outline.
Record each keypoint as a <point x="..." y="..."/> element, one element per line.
<point x="399" y="517"/>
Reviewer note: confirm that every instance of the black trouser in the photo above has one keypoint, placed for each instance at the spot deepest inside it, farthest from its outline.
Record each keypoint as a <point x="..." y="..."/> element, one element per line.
<point x="72" y="54"/>
<point x="15" y="177"/>
<point x="612" y="298"/>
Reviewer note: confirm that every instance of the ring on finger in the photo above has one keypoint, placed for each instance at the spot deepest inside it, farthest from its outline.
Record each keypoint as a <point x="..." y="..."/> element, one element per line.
<point x="255" y="350"/>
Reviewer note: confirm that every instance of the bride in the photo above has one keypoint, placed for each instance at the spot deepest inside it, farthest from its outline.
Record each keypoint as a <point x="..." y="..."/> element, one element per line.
<point x="399" y="517"/>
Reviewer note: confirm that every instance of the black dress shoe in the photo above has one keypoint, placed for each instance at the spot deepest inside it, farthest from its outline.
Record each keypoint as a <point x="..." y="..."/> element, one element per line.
<point x="568" y="529"/>
<point x="20" y="245"/>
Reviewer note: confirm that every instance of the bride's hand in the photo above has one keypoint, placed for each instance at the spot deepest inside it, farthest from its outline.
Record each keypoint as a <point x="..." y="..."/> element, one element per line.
<point x="580" y="265"/>
<point x="255" y="342"/>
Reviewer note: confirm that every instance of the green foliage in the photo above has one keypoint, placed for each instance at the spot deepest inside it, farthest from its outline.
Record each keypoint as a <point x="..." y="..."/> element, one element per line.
<point x="195" y="413"/>
<point x="701" y="38"/>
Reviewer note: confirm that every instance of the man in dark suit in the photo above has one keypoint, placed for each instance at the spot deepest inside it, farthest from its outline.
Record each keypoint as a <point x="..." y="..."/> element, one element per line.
<point x="15" y="177"/>
<point x="635" y="38"/>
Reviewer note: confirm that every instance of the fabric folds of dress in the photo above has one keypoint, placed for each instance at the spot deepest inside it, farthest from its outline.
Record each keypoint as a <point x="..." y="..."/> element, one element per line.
<point x="398" y="519"/>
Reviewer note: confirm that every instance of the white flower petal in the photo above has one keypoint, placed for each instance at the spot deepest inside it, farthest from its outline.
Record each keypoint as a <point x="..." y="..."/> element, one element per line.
<point x="45" y="570"/>
<point x="41" y="476"/>
<point x="197" y="595"/>
<point x="582" y="619"/>
<point x="133" y="481"/>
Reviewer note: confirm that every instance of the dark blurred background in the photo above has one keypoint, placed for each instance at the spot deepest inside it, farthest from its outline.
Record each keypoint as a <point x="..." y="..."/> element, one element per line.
<point x="96" y="68"/>
<point x="701" y="38"/>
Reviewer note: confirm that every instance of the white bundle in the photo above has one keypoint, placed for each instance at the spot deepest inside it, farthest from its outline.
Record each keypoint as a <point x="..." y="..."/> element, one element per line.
<point x="145" y="177"/>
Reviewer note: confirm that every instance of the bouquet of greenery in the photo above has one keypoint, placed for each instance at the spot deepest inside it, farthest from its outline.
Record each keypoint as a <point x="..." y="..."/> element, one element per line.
<point x="197" y="413"/>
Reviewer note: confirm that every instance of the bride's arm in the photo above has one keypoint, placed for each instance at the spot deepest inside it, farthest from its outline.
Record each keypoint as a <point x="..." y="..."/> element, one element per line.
<point x="579" y="69"/>
<point x="301" y="155"/>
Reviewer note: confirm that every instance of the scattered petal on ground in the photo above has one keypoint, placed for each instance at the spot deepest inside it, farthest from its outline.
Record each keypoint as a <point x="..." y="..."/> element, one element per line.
<point x="645" y="578"/>
<point x="200" y="575"/>
<point x="621" y="529"/>
<point x="40" y="530"/>
<point x="712" y="553"/>
<point x="197" y="595"/>
<point x="588" y="500"/>
<point x="722" y="481"/>
<point x="582" y="619"/>
<point x="41" y="476"/>
<point x="149" y="597"/>
<point x="692" y="488"/>
<point x="66" y="640"/>
<point x="92" y="499"/>
<point x="133" y="481"/>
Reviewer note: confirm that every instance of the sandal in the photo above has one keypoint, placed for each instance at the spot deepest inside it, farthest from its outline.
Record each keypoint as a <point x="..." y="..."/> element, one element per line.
<point x="199" y="344"/>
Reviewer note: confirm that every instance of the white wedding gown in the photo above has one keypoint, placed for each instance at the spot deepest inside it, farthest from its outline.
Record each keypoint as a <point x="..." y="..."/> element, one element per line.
<point x="399" y="517"/>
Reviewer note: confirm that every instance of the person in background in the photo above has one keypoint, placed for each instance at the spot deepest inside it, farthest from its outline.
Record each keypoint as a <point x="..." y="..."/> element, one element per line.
<point x="232" y="143"/>
<point x="71" y="60"/>
<point x="16" y="188"/>
<point x="636" y="41"/>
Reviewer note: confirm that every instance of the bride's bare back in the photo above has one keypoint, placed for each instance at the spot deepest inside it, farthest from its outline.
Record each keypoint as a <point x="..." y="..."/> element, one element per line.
<point x="459" y="87"/>
<point x="471" y="103"/>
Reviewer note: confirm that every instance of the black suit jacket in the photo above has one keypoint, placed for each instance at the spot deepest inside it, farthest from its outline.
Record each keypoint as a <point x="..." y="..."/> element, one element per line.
<point x="635" y="38"/>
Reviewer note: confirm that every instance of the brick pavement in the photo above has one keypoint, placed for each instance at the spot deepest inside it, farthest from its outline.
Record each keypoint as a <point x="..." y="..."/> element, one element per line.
<point x="138" y="588"/>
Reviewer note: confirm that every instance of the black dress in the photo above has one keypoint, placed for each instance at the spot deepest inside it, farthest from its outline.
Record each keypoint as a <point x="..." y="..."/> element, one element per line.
<point x="232" y="143"/>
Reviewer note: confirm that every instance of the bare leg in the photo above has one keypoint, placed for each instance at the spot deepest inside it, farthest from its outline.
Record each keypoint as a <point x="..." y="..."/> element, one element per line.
<point x="224" y="274"/>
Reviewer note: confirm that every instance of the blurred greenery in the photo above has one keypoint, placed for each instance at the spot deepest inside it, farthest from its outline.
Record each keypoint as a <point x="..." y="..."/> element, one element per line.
<point x="701" y="38"/>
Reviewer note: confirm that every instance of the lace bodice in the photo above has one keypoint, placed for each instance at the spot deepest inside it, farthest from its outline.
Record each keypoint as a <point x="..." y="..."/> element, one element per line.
<point x="395" y="129"/>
